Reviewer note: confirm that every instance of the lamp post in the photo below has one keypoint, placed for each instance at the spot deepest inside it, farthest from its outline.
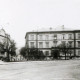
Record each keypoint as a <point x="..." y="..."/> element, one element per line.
<point x="7" y="49"/>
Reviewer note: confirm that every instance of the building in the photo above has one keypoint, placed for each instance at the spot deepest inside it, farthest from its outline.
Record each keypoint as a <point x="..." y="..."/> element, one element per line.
<point x="4" y="40"/>
<point x="45" y="40"/>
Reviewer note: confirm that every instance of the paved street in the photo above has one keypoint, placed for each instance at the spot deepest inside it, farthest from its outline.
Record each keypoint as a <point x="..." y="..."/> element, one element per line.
<point x="40" y="70"/>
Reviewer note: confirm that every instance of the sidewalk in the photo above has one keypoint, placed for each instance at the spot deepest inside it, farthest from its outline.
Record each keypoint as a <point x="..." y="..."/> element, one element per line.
<point x="6" y="63"/>
<point x="3" y="63"/>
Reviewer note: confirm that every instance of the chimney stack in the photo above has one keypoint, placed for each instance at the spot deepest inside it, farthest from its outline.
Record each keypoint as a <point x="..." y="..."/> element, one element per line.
<point x="62" y="27"/>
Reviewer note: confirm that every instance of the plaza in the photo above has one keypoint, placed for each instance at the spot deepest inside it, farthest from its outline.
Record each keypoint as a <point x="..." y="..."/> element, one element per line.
<point x="40" y="70"/>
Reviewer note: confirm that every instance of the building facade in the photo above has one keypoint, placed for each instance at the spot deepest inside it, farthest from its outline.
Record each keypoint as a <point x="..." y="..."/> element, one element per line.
<point x="5" y="40"/>
<point x="45" y="40"/>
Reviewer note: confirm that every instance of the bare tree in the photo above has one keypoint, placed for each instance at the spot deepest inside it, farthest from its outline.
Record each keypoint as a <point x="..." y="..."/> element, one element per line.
<point x="64" y="48"/>
<point x="12" y="48"/>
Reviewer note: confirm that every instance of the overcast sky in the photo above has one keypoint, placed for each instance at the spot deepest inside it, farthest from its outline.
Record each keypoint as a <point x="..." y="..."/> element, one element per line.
<point x="20" y="16"/>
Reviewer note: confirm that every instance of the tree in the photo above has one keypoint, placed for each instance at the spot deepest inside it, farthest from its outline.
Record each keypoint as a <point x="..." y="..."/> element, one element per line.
<point x="64" y="48"/>
<point x="36" y="54"/>
<point x="9" y="49"/>
<point x="41" y="55"/>
<point x="12" y="48"/>
<point x="23" y="52"/>
<point x="55" y="53"/>
<point x="2" y="48"/>
<point x="33" y="53"/>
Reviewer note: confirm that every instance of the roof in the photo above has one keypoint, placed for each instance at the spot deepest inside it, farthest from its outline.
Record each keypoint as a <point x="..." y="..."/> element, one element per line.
<point x="59" y="29"/>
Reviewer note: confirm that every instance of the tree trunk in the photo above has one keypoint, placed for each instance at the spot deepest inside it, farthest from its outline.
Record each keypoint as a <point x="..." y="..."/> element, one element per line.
<point x="65" y="56"/>
<point x="8" y="59"/>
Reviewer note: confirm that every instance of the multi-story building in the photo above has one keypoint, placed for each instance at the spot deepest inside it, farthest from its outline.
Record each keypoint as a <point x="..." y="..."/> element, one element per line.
<point x="45" y="40"/>
<point x="5" y="40"/>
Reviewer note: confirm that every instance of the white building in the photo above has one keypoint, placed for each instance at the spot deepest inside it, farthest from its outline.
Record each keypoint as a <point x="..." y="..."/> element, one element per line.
<point x="45" y="40"/>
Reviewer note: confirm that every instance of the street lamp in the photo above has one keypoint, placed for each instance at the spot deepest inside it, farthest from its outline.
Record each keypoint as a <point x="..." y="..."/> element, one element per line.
<point x="7" y="49"/>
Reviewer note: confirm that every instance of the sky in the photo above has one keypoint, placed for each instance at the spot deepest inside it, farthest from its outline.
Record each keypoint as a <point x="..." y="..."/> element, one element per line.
<point x="20" y="16"/>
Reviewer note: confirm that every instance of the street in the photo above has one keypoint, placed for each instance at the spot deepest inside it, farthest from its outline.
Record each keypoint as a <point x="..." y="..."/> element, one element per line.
<point x="40" y="70"/>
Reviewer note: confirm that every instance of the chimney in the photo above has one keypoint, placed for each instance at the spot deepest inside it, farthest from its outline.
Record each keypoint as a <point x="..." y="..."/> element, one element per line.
<point x="62" y="27"/>
<point x="50" y="28"/>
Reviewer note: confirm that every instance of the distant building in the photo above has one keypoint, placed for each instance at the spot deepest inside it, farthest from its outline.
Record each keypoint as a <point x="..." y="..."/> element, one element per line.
<point x="45" y="40"/>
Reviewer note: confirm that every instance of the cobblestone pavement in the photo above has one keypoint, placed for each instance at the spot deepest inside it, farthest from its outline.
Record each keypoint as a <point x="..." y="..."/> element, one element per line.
<point x="41" y="70"/>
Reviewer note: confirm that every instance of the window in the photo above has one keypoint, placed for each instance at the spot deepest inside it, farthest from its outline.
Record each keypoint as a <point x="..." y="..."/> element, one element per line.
<point x="78" y="52"/>
<point x="63" y="36"/>
<point x="70" y="52"/>
<point x="32" y="44"/>
<point x="55" y="36"/>
<point x="40" y="44"/>
<point x="78" y="44"/>
<point x="63" y="42"/>
<point x="47" y="44"/>
<point x="79" y="36"/>
<point x="32" y="37"/>
<point x="70" y="36"/>
<point x="47" y="53"/>
<point x="40" y="37"/>
<point x="55" y="42"/>
<point x="47" y="37"/>
<point x="70" y="43"/>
